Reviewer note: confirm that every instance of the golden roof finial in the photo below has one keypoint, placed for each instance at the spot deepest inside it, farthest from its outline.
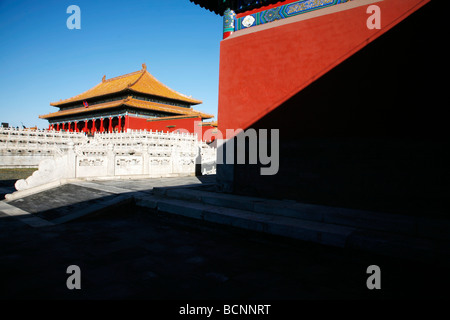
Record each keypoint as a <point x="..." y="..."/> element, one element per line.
<point x="144" y="66"/>
<point x="104" y="78"/>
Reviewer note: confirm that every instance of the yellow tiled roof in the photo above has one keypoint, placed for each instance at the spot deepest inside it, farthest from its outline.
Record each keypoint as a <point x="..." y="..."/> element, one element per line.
<point x="140" y="104"/>
<point x="211" y="123"/>
<point x="173" y="117"/>
<point x="140" y="81"/>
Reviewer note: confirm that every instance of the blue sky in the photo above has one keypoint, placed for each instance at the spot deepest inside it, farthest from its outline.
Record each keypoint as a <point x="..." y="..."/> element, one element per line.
<point x="42" y="61"/>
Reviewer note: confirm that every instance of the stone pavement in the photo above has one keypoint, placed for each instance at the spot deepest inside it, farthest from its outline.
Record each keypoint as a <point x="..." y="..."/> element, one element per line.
<point x="79" y="198"/>
<point x="126" y="250"/>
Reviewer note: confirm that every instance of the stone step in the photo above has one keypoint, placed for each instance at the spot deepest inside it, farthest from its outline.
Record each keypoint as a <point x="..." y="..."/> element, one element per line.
<point x="312" y="231"/>
<point x="305" y="230"/>
<point x="377" y="221"/>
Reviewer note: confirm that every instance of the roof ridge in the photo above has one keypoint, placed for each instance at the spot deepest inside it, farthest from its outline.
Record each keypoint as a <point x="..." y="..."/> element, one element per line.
<point x="144" y="67"/>
<point x="170" y="89"/>
<point x="139" y="78"/>
<point x="123" y="76"/>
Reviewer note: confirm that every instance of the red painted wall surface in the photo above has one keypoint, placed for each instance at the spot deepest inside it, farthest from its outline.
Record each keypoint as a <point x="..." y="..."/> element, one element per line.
<point x="179" y="124"/>
<point x="135" y="123"/>
<point x="261" y="70"/>
<point x="164" y="125"/>
<point x="210" y="133"/>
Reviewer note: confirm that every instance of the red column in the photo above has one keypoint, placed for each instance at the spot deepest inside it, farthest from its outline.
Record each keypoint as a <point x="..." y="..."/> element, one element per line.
<point x="110" y="129"/>
<point x="127" y="123"/>
<point x="94" y="128"/>
<point x="85" y="126"/>
<point x="101" y="125"/>
<point x="120" y="124"/>
<point x="57" y="127"/>
<point x="76" y="126"/>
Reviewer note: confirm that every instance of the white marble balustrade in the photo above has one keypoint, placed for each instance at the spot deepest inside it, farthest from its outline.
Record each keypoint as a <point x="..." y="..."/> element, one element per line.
<point x="75" y="155"/>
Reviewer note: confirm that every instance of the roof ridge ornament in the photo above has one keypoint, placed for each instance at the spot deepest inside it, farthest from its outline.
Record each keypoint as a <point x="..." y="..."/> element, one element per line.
<point x="104" y="78"/>
<point x="144" y="67"/>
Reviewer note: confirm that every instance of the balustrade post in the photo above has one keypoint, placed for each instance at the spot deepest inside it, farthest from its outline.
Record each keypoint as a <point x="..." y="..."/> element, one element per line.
<point x="71" y="161"/>
<point x="110" y="160"/>
<point x="145" y="159"/>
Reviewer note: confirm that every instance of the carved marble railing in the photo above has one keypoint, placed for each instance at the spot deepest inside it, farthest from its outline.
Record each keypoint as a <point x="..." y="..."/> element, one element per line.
<point x="27" y="148"/>
<point x="37" y="139"/>
<point x="124" y="155"/>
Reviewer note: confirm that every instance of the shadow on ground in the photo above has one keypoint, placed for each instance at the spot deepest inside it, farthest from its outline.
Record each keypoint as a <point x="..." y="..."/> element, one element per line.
<point x="128" y="252"/>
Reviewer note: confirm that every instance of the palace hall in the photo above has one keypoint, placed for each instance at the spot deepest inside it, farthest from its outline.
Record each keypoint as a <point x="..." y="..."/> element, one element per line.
<point x="134" y="101"/>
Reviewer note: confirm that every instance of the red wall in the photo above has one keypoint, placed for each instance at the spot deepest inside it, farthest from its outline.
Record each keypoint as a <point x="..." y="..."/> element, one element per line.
<point x="209" y="133"/>
<point x="135" y="123"/>
<point x="261" y="70"/>
<point x="162" y="125"/>
<point x="179" y="124"/>
<point x="361" y="122"/>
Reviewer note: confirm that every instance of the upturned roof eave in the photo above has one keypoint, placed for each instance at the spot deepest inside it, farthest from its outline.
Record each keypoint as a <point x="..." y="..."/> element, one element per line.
<point x="61" y="103"/>
<point x="191" y="102"/>
<point x="130" y="102"/>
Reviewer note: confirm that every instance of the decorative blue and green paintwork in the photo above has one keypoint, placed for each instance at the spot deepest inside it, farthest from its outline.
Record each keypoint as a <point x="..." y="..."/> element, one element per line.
<point x="282" y="12"/>
<point x="229" y="18"/>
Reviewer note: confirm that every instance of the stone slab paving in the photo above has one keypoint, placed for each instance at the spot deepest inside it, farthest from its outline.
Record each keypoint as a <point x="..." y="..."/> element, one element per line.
<point x="148" y="184"/>
<point x="24" y="216"/>
<point x="102" y="187"/>
<point x="59" y="201"/>
<point x="79" y="198"/>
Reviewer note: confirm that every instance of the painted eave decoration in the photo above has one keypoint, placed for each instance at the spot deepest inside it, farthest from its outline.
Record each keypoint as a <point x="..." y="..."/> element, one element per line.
<point x="219" y="6"/>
